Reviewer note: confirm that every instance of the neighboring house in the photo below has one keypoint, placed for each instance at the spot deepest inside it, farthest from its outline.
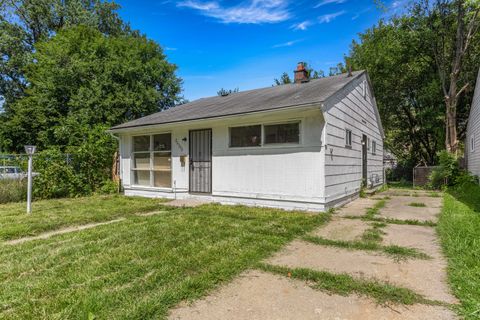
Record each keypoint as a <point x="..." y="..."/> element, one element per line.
<point x="307" y="145"/>
<point x="472" y="147"/>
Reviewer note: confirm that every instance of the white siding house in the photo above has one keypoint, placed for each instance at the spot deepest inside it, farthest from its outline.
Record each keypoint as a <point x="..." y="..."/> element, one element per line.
<point x="307" y="145"/>
<point x="472" y="147"/>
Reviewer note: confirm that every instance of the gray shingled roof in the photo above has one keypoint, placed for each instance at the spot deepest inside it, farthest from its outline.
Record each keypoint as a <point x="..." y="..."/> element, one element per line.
<point x="271" y="98"/>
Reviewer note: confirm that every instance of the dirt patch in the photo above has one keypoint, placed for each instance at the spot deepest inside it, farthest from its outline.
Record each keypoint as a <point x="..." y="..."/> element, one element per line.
<point x="427" y="277"/>
<point x="186" y="203"/>
<point x="418" y="237"/>
<point x="356" y="208"/>
<point x="399" y="208"/>
<point x="49" y="234"/>
<point x="148" y="214"/>
<point x="342" y="229"/>
<point x="258" y="295"/>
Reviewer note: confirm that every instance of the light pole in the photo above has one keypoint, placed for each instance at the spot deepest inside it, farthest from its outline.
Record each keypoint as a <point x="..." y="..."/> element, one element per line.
<point x="30" y="150"/>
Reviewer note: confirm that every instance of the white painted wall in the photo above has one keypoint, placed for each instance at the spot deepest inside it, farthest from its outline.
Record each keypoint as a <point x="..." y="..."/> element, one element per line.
<point x="287" y="173"/>
<point x="350" y="109"/>
<point x="473" y="132"/>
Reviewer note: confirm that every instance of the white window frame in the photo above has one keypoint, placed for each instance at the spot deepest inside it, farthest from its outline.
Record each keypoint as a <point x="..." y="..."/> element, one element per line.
<point x="348" y="135"/>
<point x="151" y="152"/>
<point x="374" y="147"/>
<point x="472" y="143"/>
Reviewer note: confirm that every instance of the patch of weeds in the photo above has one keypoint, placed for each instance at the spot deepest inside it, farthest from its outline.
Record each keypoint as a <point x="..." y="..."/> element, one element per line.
<point x="396" y="252"/>
<point x="373" y="235"/>
<point x="417" y="204"/>
<point x="344" y="284"/>
<point x="434" y="195"/>
<point x="371" y="212"/>
<point x="426" y="223"/>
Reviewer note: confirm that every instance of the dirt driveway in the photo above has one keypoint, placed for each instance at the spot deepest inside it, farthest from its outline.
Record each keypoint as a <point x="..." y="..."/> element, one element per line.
<point x="378" y="258"/>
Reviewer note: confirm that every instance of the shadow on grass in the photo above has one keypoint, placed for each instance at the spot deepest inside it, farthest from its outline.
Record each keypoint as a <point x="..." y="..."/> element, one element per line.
<point x="468" y="194"/>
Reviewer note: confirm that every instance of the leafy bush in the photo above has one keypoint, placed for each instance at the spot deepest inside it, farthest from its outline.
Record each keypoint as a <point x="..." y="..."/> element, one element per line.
<point x="447" y="171"/>
<point x="13" y="190"/>
<point x="86" y="168"/>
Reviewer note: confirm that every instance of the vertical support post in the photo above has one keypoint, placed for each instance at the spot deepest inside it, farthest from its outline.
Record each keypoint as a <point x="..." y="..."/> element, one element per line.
<point x="29" y="191"/>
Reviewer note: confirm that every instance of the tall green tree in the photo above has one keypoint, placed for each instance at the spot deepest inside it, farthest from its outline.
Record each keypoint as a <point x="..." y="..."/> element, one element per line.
<point x="449" y="29"/>
<point x="24" y="23"/>
<point x="406" y="87"/>
<point x="81" y="78"/>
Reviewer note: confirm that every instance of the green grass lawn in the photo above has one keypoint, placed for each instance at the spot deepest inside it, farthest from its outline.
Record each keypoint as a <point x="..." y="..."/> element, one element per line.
<point x="140" y="267"/>
<point x="459" y="229"/>
<point x="54" y="214"/>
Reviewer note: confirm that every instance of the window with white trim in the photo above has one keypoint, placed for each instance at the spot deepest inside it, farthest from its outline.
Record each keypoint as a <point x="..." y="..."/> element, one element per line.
<point x="472" y="143"/>
<point x="282" y="133"/>
<point x="364" y="89"/>
<point x="374" y="147"/>
<point x="152" y="160"/>
<point x="348" y="138"/>
<point x="368" y="144"/>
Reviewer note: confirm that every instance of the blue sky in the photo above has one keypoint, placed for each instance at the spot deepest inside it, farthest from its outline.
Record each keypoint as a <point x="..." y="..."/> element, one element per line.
<point x="248" y="43"/>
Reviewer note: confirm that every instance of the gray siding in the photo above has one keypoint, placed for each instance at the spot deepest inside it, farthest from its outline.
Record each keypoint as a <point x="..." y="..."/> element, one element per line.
<point x="473" y="132"/>
<point x="349" y="109"/>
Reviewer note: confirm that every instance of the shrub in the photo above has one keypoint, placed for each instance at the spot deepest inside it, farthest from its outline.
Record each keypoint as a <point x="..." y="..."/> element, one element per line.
<point x="84" y="170"/>
<point x="13" y="190"/>
<point x="446" y="172"/>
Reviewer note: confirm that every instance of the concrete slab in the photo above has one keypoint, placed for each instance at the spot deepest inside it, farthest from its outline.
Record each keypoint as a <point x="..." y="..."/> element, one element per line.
<point x="426" y="277"/>
<point x="342" y="229"/>
<point x="399" y="208"/>
<point x="418" y="237"/>
<point x="356" y="208"/>
<point x="262" y="296"/>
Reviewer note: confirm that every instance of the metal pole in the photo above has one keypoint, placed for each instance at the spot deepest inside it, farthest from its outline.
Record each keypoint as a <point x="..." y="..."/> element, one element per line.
<point x="29" y="191"/>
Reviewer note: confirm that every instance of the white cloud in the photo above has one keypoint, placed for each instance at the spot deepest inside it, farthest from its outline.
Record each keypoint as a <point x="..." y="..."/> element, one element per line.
<point x="358" y="14"/>
<point x="287" y="44"/>
<point x="301" y="25"/>
<point x="327" y="18"/>
<point x="251" y="11"/>
<point x="325" y="2"/>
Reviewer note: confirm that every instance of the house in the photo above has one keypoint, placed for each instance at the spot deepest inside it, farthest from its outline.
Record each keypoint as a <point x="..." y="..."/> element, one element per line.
<point x="472" y="149"/>
<point x="309" y="145"/>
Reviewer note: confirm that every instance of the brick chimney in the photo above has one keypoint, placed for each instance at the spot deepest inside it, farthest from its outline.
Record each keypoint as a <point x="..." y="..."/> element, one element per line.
<point x="301" y="74"/>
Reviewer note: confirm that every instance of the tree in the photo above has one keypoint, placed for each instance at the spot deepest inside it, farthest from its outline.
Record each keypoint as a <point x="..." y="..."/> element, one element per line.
<point x="406" y="87"/>
<point x="225" y="92"/>
<point x="24" y="23"/>
<point x="81" y="78"/>
<point x="450" y="30"/>
<point x="284" y="79"/>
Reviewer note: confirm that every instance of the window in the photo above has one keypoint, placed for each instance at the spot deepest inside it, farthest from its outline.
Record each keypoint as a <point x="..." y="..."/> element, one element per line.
<point x="247" y="136"/>
<point x="348" y="138"/>
<point x="364" y="89"/>
<point x="374" y="147"/>
<point x="368" y="144"/>
<point x="152" y="160"/>
<point x="472" y="143"/>
<point x="282" y="133"/>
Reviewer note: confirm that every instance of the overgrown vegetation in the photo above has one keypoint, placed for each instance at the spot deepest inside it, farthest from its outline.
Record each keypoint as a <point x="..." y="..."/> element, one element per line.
<point x="459" y="230"/>
<point x="12" y="190"/>
<point x="344" y="284"/>
<point x="417" y="204"/>
<point x="140" y="267"/>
